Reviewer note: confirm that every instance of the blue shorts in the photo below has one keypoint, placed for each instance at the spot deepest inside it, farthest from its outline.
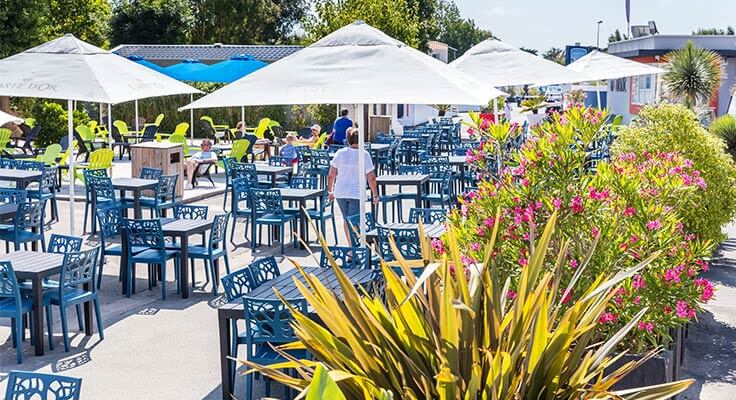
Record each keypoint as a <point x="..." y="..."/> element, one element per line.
<point x="349" y="207"/>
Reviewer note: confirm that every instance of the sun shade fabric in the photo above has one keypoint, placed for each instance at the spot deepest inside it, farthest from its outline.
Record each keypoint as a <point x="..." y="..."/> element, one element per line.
<point x="356" y="64"/>
<point x="185" y="70"/>
<point x="142" y="61"/>
<point x="603" y="66"/>
<point x="227" y="71"/>
<point x="68" y="68"/>
<point x="5" y="118"/>
<point x="499" y="64"/>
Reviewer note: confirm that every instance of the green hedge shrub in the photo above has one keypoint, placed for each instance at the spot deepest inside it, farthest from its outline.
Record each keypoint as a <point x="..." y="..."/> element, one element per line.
<point x="725" y="128"/>
<point x="54" y="122"/>
<point x="669" y="128"/>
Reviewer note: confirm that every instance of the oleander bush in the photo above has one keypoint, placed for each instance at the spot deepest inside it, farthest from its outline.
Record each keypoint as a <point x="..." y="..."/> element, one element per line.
<point x="453" y="334"/>
<point x="667" y="128"/>
<point x="630" y="207"/>
<point x="53" y="119"/>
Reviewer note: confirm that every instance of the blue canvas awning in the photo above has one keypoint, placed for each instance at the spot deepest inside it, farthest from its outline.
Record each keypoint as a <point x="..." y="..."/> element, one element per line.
<point x="140" y="60"/>
<point x="228" y="71"/>
<point x="184" y="70"/>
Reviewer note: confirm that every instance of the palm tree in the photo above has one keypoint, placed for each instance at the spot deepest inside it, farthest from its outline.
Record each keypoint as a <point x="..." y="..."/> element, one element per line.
<point x="693" y="74"/>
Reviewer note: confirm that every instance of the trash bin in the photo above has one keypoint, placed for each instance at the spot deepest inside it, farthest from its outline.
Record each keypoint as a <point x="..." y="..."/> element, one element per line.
<point x="168" y="157"/>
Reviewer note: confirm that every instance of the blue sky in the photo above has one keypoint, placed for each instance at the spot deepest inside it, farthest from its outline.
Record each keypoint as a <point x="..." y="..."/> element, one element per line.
<point x="541" y="24"/>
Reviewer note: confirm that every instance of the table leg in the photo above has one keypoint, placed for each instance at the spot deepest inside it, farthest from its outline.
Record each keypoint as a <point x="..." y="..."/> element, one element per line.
<point x="37" y="315"/>
<point x="137" y="212"/>
<point x="303" y="234"/>
<point x="223" y="325"/>
<point x="124" y="209"/>
<point x="418" y="200"/>
<point x="124" y="260"/>
<point x="184" y="267"/>
<point x="87" y="312"/>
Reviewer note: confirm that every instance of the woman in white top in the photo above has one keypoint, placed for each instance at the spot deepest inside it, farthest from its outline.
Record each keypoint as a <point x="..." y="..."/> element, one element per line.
<point x="343" y="183"/>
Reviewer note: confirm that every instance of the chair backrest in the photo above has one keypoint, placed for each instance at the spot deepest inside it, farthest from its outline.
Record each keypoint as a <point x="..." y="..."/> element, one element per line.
<point x="122" y="127"/>
<point x="412" y="169"/>
<point x="237" y="283"/>
<point x="149" y="133"/>
<point x="218" y="232"/>
<point x="29" y="165"/>
<point x="320" y="159"/>
<point x="180" y="139"/>
<point x="209" y="130"/>
<point x="208" y="120"/>
<point x="240" y="149"/>
<point x="264" y="269"/>
<point x="85" y="132"/>
<point x="62" y="244"/>
<point x="29" y="215"/>
<point x="48" y="180"/>
<point x="159" y="119"/>
<point x="181" y="128"/>
<point x="101" y="158"/>
<point x="96" y="172"/>
<point x="241" y="192"/>
<point x="267" y="201"/>
<point x="78" y="269"/>
<point x="354" y="225"/>
<point x="407" y="241"/>
<point x="244" y="170"/>
<point x="101" y="189"/>
<point x="278" y="161"/>
<point x="143" y="233"/>
<point x="5" y="134"/>
<point x="277" y="130"/>
<point x="109" y="220"/>
<point x="263" y="126"/>
<point x="166" y="189"/>
<point x="29" y="137"/>
<point x="427" y="215"/>
<point x="34" y="385"/>
<point x="304" y="182"/>
<point x="188" y="211"/>
<point x="150" y="173"/>
<point x="335" y="147"/>
<point x="9" y="283"/>
<point x="319" y="142"/>
<point x="52" y="152"/>
<point x="13" y="196"/>
<point x="270" y="321"/>
<point x="347" y="257"/>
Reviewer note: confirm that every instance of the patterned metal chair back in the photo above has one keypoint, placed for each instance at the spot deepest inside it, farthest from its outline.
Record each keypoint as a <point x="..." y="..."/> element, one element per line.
<point x="7" y="163"/>
<point x="24" y="385"/>
<point x="109" y="220"/>
<point x="347" y="257"/>
<point x="244" y="170"/>
<point x="267" y="201"/>
<point x="143" y="233"/>
<point x="320" y="159"/>
<point x="407" y="241"/>
<point x="237" y="284"/>
<point x="8" y="282"/>
<point x="427" y="216"/>
<point x="304" y="182"/>
<point x="62" y="244"/>
<point x="13" y="196"/>
<point x="101" y="189"/>
<point x="412" y="169"/>
<point x="166" y="189"/>
<point x="277" y="161"/>
<point x="241" y="192"/>
<point x="270" y="321"/>
<point x="78" y="268"/>
<point x="264" y="269"/>
<point x="88" y="173"/>
<point x="186" y="211"/>
<point x="150" y="173"/>
<point x="29" y="165"/>
<point x="48" y="180"/>
<point x="218" y="231"/>
<point x="29" y="215"/>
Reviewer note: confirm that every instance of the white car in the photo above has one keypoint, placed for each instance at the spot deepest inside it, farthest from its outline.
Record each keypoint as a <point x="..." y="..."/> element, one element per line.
<point x="554" y="94"/>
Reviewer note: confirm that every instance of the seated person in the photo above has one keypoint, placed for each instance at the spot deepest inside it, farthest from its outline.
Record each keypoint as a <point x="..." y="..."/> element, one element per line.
<point x="205" y="156"/>
<point x="288" y="151"/>
<point x="316" y="130"/>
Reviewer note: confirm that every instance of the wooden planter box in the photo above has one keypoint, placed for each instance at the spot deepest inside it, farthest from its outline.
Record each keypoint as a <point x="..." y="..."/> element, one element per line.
<point x="168" y="157"/>
<point x="657" y="370"/>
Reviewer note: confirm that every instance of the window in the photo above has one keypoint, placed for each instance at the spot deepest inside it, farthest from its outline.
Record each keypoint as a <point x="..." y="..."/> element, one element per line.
<point x="617" y="85"/>
<point x="400" y="111"/>
<point x="642" y="89"/>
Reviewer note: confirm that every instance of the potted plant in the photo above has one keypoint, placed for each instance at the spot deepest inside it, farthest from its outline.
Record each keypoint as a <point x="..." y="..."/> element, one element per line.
<point x="534" y="104"/>
<point x="442" y="109"/>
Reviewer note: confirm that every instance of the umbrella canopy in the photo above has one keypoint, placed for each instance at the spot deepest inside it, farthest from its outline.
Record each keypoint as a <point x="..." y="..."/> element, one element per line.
<point x="5" y="118"/>
<point x="68" y="68"/>
<point x="500" y="64"/>
<point x="356" y="64"/>
<point x="142" y="61"/>
<point x="185" y="69"/>
<point x="603" y="66"/>
<point x="228" y="71"/>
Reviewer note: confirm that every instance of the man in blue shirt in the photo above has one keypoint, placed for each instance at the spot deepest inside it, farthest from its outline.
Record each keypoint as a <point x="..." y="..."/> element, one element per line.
<point x="340" y="127"/>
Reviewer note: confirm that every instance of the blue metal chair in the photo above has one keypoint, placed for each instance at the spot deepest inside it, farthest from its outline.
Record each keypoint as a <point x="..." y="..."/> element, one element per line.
<point x="236" y="285"/>
<point x="216" y="249"/>
<point x="241" y="207"/>
<point x="150" y="173"/>
<point x="347" y="257"/>
<point x="79" y="268"/>
<point x="87" y="173"/>
<point x="27" y="226"/>
<point x="427" y="215"/>
<point x="164" y="198"/>
<point x="354" y="225"/>
<point x="323" y="211"/>
<point x="102" y="195"/>
<point x="304" y="182"/>
<point x="442" y="193"/>
<point x="268" y="209"/>
<point x="269" y="323"/>
<point x="23" y="385"/>
<point x="13" y="306"/>
<point x="110" y="220"/>
<point x="319" y="165"/>
<point x="264" y="269"/>
<point x="13" y="196"/>
<point x="228" y="179"/>
<point x="277" y="161"/>
<point x="188" y="211"/>
<point x="407" y="242"/>
<point x="147" y="236"/>
<point x="46" y="191"/>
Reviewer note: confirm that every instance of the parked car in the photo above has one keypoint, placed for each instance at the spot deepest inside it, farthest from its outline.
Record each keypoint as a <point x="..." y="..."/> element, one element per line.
<point x="554" y="94"/>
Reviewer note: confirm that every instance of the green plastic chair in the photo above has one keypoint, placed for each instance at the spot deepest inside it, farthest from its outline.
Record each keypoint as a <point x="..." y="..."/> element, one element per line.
<point x="180" y="139"/>
<point x="49" y="156"/>
<point x="240" y="149"/>
<point x="320" y="141"/>
<point x="157" y="121"/>
<point x="263" y="124"/>
<point x="122" y="127"/>
<point x="181" y="129"/>
<point x="219" y="130"/>
<point x="98" y="159"/>
<point x="30" y="122"/>
<point x="5" y="134"/>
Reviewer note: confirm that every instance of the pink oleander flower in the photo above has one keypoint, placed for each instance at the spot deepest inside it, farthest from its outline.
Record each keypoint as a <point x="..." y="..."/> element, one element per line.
<point x="646" y="326"/>
<point x="708" y="289"/>
<point x="489" y="222"/>
<point x="598" y="195"/>
<point x="556" y="203"/>
<point x="481" y="231"/>
<point x="654" y="225"/>
<point x="573" y="263"/>
<point x="702" y="264"/>
<point x="464" y="210"/>
<point x="607" y="318"/>
<point x="577" y="205"/>
<point x="638" y="282"/>
<point x="672" y="276"/>
<point x="629" y="211"/>
<point x="523" y="261"/>
<point x="466" y="260"/>
<point x="567" y="297"/>
<point x="511" y="294"/>
<point x="637" y="300"/>
<point x="438" y="246"/>
<point x="595" y="232"/>
<point x="683" y="310"/>
<point x="475" y="246"/>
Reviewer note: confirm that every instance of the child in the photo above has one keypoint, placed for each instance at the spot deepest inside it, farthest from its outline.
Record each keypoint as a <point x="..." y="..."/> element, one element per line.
<point x="288" y="151"/>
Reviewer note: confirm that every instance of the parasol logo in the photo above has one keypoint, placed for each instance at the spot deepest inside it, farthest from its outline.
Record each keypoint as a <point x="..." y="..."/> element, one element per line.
<point x="30" y="86"/>
<point x="141" y="86"/>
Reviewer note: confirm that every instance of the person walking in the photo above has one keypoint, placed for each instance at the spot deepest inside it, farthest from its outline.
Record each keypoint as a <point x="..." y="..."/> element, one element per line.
<point x="340" y="128"/>
<point x="342" y="182"/>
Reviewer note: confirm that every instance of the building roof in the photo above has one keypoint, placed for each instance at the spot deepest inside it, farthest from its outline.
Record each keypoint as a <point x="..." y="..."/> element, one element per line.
<point x="207" y="53"/>
<point x="658" y="45"/>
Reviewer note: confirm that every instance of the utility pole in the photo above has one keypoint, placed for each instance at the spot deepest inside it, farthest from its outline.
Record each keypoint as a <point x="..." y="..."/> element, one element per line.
<point x="598" y="35"/>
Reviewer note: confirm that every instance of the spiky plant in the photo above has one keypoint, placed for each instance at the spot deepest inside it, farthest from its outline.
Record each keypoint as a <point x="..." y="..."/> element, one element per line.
<point x="725" y="128"/>
<point x="693" y="74"/>
<point x="455" y="334"/>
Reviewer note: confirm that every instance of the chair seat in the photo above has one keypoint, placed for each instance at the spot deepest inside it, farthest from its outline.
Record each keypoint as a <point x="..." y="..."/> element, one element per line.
<point x="71" y="295"/>
<point x="242" y="213"/>
<point x="154" y="255"/>
<point x="4" y="227"/>
<point x="117" y="250"/>
<point x="20" y="236"/>
<point x="275" y="218"/>
<point x="7" y="306"/>
<point x="203" y="252"/>
<point x="265" y="354"/>
<point x="316" y="214"/>
<point x="151" y="202"/>
<point x="436" y="197"/>
<point x="46" y="285"/>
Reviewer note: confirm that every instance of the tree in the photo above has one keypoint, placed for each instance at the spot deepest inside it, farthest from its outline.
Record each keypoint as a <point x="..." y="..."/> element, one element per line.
<point x="714" y="31"/>
<point x="396" y="18"/>
<point x="150" y="22"/>
<point x="531" y="51"/>
<point x="457" y="32"/>
<point x="85" y="19"/>
<point x="617" y="37"/>
<point x="244" y="21"/>
<point x="21" y="22"/>
<point x="693" y="74"/>
<point x="555" y="54"/>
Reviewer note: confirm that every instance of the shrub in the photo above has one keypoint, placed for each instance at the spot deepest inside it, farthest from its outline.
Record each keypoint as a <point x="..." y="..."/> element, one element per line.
<point x="53" y="119"/>
<point x="725" y="128"/>
<point x="450" y="335"/>
<point x="670" y="128"/>
<point x="631" y="207"/>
